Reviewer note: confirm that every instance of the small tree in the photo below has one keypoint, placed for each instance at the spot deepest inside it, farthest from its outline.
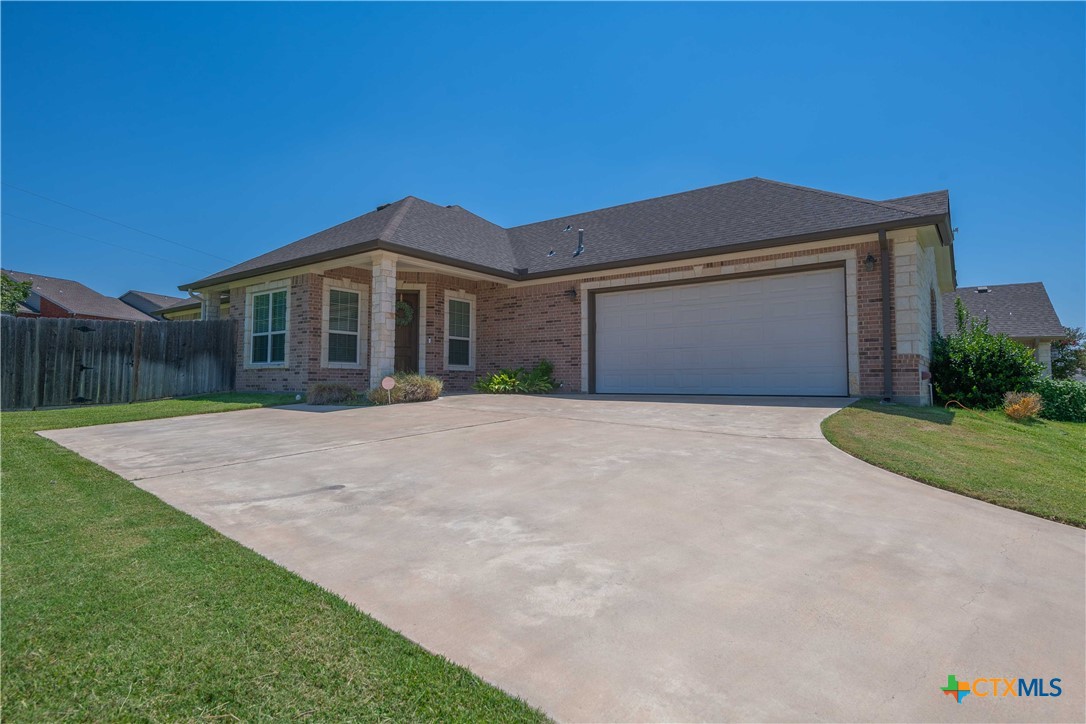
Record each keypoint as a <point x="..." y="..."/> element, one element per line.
<point x="1069" y="355"/>
<point x="12" y="293"/>
<point x="976" y="367"/>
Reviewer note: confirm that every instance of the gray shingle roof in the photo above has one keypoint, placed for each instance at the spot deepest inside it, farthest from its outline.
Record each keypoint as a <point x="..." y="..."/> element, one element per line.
<point x="732" y="216"/>
<point x="934" y="202"/>
<point x="149" y="302"/>
<point x="411" y="224"/>
<point x="79" y="299"/>
<point x="1016" y="310"/>
<point x="184" y="304"/>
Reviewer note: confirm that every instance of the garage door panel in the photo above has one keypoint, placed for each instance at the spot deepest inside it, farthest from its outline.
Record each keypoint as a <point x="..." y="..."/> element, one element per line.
<point x="782" y="334"/>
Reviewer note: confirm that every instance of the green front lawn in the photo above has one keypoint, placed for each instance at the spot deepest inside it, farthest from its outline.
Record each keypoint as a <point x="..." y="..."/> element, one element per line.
<point x="117" y="606"/>
<point x="1037" y="467"/>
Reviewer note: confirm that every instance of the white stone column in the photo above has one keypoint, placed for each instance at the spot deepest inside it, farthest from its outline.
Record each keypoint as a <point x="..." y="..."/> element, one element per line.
<point x="382" y="318"/>
<point x="1043" y="354"/>
<point x="210" y="305"/>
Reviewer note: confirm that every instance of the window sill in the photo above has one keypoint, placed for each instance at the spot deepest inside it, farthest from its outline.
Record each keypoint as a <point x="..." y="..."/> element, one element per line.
<point x="342" y="366"/>
<point x="459" y="368"/>
<point x="267" y="366"/>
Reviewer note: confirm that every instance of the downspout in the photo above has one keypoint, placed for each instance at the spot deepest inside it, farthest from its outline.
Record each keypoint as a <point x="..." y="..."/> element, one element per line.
<point x="887" y="348"/>
<point x="199" y="297"/>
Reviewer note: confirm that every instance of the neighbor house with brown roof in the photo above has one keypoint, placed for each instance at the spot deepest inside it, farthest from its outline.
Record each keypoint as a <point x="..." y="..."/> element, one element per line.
<point x="53" y="297"/>
<point x="1023" y="312"/>
<point x="150" y="303"/>
<point x="753" y="287"/>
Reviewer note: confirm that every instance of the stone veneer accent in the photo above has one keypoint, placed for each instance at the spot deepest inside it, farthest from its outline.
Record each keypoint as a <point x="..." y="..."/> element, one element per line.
<point x="521" y="324"/>
<point x="382" y="318"/>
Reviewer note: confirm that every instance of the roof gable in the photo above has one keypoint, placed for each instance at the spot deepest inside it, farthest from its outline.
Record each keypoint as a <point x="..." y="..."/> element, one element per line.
<point x="735" y="215"/>
<point x="149" y="302"/>
<point x="339" y="238"/>
<point x="1016" y="310"/>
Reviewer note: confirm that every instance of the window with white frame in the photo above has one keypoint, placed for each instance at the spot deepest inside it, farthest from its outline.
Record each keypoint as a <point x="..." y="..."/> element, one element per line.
<point x="459" y="331"/>
<point x="268" y="328"/>
<point x="343" y="327"/>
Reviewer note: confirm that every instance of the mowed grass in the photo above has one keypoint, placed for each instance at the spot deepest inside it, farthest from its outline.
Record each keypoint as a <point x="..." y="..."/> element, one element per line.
<point x="118" y="607"/>
<point x="1038" y="467"/>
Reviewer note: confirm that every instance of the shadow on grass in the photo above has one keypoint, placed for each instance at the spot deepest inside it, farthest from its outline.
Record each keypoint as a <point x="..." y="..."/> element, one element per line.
<point x="262" y="398"/>
<point x="937" y="415"/>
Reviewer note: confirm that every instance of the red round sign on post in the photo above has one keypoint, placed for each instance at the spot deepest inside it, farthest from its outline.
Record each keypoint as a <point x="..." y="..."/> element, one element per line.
<point x="387" y="384"/>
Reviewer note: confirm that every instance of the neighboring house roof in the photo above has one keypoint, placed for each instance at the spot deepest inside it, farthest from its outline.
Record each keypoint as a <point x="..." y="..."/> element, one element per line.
<point x="743" y="214"/>
<point x="1016" y="310"/>
<point x="182" y="306"/>
<point x="148" y="302"/>
<point x="21" y="308"/>
<point x="76" y="298"/>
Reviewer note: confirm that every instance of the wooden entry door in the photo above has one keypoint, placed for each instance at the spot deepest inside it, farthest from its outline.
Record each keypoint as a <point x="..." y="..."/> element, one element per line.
<point x="407" y="335"/>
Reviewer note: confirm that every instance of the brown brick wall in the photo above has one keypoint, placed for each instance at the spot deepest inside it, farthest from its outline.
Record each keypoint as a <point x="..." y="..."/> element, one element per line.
<point x="358" y="379"/>
<point x="304" y="339"/>
<point x="518" y="326"/>
<point x="869" y="319"/>
<point x="273" y="379"/>
<point x="436" y="286"/>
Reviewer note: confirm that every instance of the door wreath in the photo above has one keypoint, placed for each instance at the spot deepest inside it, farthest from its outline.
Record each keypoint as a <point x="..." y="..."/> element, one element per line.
<point x="405" y="314"/>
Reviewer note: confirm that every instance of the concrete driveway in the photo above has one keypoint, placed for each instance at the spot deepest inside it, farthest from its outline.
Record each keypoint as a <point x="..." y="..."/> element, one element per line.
<point x="648" y="559"/>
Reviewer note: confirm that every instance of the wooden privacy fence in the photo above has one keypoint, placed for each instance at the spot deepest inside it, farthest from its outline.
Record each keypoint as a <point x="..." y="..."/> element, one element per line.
<point x="53" y="362"/>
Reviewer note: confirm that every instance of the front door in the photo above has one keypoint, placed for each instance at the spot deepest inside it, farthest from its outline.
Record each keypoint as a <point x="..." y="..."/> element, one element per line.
<point x="407" y="331"/>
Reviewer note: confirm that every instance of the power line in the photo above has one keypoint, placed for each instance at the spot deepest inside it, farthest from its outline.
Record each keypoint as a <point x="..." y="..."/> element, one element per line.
<point x="113" y="221"/>
<point x="100" y="241"/>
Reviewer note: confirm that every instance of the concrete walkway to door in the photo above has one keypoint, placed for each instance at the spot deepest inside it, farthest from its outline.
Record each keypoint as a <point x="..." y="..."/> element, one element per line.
<point x="648" y="559"/>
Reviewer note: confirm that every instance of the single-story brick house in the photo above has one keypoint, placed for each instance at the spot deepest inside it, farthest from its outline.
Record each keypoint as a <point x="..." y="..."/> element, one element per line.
<point x="749" y="287"/>
<point x="1023" y="312"/>
<point x="66" y="298"/>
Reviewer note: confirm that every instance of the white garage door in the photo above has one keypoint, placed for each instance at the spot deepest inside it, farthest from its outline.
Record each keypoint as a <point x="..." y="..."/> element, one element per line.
<point x="771" y="335"/>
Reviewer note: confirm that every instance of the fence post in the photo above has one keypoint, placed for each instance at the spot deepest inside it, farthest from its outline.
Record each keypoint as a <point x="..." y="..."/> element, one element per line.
<point x="137" y="353"/>
<point x="39" y="377"/>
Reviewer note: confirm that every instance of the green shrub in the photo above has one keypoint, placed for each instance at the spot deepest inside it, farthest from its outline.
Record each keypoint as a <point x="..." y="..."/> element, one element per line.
<point x="330" y="393"/>
<point x="409" y="388"/>
<point x="1064" y="400"/>
<point x="539" y="380"/>
<point x="1069" y="354"/>
<point x="976" y="368"/>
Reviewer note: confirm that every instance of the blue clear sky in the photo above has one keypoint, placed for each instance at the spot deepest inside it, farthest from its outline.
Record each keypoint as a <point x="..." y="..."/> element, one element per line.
<point x="236" y="128"/>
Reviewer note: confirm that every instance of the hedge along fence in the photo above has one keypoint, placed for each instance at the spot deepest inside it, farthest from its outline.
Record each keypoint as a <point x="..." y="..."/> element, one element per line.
<point x="57" y="362"/>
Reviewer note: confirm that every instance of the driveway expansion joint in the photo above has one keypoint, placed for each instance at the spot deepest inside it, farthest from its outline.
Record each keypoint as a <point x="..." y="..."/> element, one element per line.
<point x="556" y="416"/>
<point x="327" y="448"/>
